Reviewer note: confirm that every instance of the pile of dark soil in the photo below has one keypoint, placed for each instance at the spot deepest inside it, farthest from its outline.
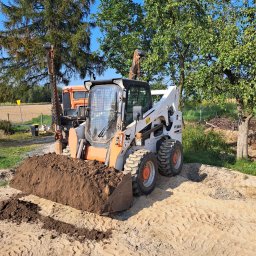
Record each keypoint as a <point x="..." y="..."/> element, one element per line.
<point x="85" y="185"/>
<point x="18" y="211"/>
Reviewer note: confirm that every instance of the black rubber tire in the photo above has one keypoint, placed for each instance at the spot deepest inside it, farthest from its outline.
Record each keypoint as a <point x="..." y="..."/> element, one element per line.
<point x="135" y="164"/>
<point x="165" y="155"/>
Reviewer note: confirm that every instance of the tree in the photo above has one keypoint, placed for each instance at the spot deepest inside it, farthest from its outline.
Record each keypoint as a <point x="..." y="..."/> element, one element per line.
<point x="177" y="26"/>
<point x="29" y="24"/>
<point x="121" y="23"/>
<point x="167" y="30"/>
<point x="227" y="64"/>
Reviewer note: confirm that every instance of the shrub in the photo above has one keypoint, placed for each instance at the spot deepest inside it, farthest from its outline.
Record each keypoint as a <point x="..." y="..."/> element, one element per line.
<point x="205" y="147"/>
<point x="195" y="138"/>
<point x="6" y="126"/>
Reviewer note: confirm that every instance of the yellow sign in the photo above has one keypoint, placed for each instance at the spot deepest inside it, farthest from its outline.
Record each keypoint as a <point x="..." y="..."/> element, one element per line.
<point x="148" y="120"/>
<point x="18" y="102"/>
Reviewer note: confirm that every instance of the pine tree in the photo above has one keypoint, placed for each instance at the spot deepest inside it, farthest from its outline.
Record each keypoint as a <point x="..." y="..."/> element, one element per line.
<point x="29" y="24"/>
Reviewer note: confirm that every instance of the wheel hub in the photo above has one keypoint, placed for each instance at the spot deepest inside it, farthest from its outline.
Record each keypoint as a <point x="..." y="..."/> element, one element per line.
<point x="146" y="173"/>
<point x="175" y="157"/>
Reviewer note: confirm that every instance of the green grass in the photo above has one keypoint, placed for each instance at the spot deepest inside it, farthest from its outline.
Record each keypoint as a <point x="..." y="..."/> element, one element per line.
<point x="244" y="166"/>
<point x="47" y="120"/>
<point x="3" y="183"/>
<point x="209" y="111"/>
<point x="210" y="148"/>
<point x="18" y="136"/>
<point x="11" y="156"/>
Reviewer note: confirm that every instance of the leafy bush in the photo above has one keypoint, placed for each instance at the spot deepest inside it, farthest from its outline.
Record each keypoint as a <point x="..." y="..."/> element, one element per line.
<point x="195" y="138"/>
<point x="205" y="147"/>
<point x="6" y="126"/>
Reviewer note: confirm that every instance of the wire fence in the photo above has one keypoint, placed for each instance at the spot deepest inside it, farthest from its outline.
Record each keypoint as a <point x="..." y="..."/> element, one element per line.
<point x="24" y="113"/>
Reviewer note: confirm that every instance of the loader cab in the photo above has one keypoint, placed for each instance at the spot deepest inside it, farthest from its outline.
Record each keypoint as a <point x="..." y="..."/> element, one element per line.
<point x="111" y="104"/>
<point x="137" y="95"/>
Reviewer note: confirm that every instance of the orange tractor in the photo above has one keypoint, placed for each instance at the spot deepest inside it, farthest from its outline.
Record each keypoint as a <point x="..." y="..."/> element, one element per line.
<point x="74" y="102"/>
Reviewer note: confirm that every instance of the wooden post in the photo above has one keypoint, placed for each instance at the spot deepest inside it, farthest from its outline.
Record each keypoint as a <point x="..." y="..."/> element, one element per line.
<point x="8" y="117"/>
<point x="21" y="114"/>
<point x="42" y="119"/>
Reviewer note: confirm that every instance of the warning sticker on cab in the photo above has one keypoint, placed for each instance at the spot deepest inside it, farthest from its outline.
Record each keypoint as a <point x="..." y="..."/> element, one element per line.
<point x="147" y="120"/>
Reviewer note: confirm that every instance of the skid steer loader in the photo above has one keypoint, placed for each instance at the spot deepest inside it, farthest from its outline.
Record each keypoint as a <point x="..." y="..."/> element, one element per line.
<point x="125" y="131"/>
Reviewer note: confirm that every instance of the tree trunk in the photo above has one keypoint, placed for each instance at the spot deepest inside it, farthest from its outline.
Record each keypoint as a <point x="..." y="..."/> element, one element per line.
<point x="242" y="140"/>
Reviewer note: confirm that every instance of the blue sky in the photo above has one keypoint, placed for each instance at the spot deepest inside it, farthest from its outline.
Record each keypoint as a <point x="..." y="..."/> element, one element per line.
<point x="109" y="73"/>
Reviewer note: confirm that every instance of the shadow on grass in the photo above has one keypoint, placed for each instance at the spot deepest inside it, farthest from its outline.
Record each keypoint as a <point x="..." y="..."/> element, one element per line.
<point x="211" y="158"/>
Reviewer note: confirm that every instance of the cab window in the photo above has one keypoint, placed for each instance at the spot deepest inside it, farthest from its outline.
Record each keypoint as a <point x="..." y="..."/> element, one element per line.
<point x="80" y="95"/>
<point x="137" y="96"/>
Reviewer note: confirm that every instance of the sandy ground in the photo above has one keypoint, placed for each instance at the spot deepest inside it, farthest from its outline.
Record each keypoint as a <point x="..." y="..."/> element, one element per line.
<point x="203" y="211"/>
<point x="24" y="112"/>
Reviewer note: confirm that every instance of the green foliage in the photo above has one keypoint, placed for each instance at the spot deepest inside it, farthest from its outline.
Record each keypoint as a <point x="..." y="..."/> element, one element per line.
<point x="29" y="24"/>
<point x="176" y="27"/>
<point x="210" y="148"/>
<point x="121" y="22"/>
<point x="26" y="94"/>
<point x="205" y="147"/>
<point x="209" y="111"/>
<point x="38" y="94"/>
<point x="196" y="140"/>
<point x="227" y="62"/>
<point x="11" y="156"/>
<point x="6" y="126"/>
<point x="168" y="31"/>
<point x="244" y="166"/>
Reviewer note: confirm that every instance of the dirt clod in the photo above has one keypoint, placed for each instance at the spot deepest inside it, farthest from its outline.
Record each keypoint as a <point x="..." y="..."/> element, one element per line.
<point x="79" y="234"/>
<point x="85" y="185"/>
<point x="18" y="211"/>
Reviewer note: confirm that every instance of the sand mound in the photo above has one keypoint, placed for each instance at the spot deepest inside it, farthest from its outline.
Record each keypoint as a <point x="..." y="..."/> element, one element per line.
<point x="85" y="185"/>
<point x="205" y="210"/>
<point x="19" y="211"/>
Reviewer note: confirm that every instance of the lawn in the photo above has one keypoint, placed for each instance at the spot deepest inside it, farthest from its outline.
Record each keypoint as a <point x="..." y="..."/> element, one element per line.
<point x="11" y="156"/>
<point x="244" y="166"/>
<point x="13" y="147"/>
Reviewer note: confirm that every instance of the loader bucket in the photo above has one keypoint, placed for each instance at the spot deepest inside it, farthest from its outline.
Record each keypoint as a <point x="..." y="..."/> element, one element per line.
<point x="84" y="185"/>
<point x="121" y="198"/>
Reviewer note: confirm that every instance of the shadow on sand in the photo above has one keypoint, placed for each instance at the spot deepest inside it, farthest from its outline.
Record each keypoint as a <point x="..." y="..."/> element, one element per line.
<point x="163" y="190"/>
